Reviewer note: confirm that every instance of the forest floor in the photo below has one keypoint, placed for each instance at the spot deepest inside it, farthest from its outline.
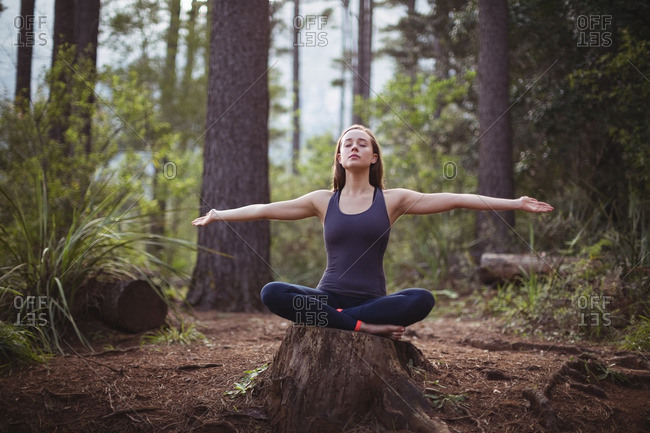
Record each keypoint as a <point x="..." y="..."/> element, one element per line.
<point x="481" y="382"/>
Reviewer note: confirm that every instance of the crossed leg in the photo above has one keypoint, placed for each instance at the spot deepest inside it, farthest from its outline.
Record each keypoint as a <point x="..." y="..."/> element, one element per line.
<point x="387" y="316"/>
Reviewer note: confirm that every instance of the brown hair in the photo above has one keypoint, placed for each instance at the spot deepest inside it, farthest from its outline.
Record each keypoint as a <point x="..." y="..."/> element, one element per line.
<point x="376" y="176"/>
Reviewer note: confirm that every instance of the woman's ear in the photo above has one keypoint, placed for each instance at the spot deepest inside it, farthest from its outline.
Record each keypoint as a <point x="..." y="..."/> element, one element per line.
<point x="375" y="157"/>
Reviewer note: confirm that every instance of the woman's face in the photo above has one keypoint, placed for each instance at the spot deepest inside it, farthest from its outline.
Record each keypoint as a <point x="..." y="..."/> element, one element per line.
<point x="356" y="150"/>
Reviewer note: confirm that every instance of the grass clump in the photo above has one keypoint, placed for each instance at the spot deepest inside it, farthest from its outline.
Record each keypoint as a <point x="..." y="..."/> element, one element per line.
<point x="108" y="236"/>
<point x="172" y="335"/>
<point x="246" y="382"/>
<point x="637" y="337"/>
<point x="18" y="346"/>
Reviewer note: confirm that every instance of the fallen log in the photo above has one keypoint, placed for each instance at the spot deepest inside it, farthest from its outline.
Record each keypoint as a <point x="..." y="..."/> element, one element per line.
<point x="326" y="380"/>
<point x="506" y="267"/>
<point x="132" y="306"/>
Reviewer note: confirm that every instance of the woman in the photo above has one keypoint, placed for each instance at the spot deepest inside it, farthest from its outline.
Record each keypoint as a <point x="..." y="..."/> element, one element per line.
<point x="357" y="216"/>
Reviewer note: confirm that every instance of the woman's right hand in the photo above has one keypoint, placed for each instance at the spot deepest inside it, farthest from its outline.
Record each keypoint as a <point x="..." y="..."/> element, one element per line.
<point x="210" y="217"/>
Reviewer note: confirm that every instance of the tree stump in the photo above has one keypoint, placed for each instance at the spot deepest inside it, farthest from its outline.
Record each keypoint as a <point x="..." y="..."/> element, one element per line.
<point x="132" y="306"/>
<point x="327" y="380"/>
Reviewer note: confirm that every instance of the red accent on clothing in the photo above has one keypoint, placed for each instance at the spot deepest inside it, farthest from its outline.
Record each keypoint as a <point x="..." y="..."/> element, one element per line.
<point x="356" y="328"/>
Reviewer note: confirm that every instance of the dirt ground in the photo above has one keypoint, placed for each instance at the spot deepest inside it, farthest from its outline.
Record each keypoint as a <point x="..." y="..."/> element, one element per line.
<point x="485" y="381"/>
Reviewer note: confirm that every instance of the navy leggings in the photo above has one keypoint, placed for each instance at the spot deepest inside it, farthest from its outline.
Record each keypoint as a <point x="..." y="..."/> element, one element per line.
<point x="316" y="307"/>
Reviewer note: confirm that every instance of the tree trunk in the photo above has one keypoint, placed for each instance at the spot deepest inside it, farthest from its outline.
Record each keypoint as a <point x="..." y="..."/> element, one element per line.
<point x="25" y="46"/>
<point x="295" y="154"/>
<point x="345" y="58"/>
<point x="168" y="85"/>
<point x="64" y="27"/>
<point x="495" y="145"/>
<point x="168" y="102"/>
<point x="64" y="32"/>
<point x="191" y="44"/>
<point x="132" y="306"/>
<point x="86" y="33"/>
<point x="361" y="81"/>
<point x="235" y="168"/>
<point x="324" y="379"/>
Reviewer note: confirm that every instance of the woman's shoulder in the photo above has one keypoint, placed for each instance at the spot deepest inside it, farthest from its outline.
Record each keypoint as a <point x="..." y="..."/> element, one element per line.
<point x="396" y="201"/>
<point x="396" y="193"/>
<point x="320" y="197"/>
<point x="321" y="194"/>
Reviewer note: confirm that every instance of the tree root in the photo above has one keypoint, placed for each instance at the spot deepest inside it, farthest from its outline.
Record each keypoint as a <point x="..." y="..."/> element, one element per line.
<point x="542" y="406"/>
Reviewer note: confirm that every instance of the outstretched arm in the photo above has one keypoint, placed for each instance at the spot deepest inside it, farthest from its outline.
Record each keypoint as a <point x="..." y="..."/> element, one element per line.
<point x="302" y="207"/>
<point x="411" y="202"/>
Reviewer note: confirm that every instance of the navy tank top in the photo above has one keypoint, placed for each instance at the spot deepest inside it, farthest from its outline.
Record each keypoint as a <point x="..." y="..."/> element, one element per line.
<point x="355" y="245"/>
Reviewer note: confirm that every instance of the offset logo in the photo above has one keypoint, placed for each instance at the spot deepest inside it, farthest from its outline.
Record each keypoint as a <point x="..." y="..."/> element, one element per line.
<point x="310" y="32"/>
<point x="31" y="30"/>
<point x="593" y="310"/>
<point x="31" y="310"/>
<point x="594" y="30"/>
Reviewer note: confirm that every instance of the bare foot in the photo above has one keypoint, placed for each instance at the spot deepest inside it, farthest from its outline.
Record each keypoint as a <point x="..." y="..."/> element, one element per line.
<point x="394" y="332"/>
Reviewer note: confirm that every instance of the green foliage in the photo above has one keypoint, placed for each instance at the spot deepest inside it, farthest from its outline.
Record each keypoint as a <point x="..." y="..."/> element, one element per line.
<point x="539" y="304"/>
<point x="246" y="382"/>
<point x="597" y="371"/>
<point x="441" y="400"/>
<point x="586" y="299"/>
<point x="17" y="342"/>
<point x="637" y="337"/>
<point x="18" y="346"/>
<point x="297" y="250"/>
<point x="105" y="238"/>
<point x="172" y="335"/>
<point x="424" y="126"/>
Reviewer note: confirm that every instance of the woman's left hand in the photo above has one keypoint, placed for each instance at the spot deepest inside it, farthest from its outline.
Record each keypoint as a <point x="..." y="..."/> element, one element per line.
<point x="530" y="204"/>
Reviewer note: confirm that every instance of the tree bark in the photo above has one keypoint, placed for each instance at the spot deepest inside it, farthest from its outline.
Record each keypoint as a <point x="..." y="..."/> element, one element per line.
<point x="325" y="379"/>
<point x="168" y="85"/>
<point x="132" y="306"/>
<point x="64" y="28"/>
<point x="86" y="34"/>
<point x="64" y="33"/>
<point x="295" y="154"/>
<point x="191" y="43"/>
<point x="25" y="48"/>
<point x="235" y="168"/>
<point x="495" y="145"/>
<point x="361" y="81"/>
<point x="345" y="58"/>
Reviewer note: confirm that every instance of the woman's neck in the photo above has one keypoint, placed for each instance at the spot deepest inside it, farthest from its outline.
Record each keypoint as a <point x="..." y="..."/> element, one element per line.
<point x="357" y="183"/>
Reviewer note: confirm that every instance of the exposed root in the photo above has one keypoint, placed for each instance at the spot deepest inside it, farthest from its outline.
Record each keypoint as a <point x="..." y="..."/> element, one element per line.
<point x="590" y="389"/>
<point x="496" y="374"/>
<point x="542" y="406"/>
<point x="520" y="346"/>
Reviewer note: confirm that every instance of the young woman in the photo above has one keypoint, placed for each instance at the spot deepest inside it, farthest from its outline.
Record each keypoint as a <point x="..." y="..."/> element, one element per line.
<point x="357" y="216"/>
